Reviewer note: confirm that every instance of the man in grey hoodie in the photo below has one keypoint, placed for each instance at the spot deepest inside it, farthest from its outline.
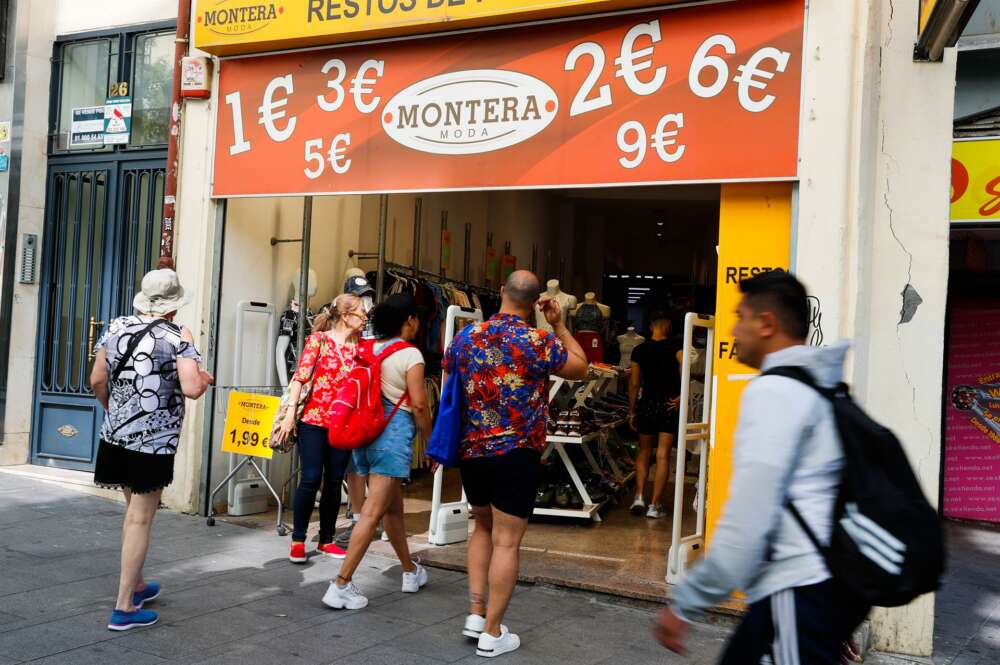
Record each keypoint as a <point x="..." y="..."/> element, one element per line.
<point x="786" y="450"/>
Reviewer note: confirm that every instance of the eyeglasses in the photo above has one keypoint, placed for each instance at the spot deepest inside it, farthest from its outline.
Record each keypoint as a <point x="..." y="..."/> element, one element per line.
<point x="361" y="315"/>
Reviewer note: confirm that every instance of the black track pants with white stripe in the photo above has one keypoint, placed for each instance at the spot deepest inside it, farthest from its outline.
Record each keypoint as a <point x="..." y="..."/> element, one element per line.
<point x="801" y="626"/>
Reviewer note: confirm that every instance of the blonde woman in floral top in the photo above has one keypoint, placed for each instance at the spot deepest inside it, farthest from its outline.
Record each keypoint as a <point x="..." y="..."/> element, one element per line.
<point x="327" y="357"/>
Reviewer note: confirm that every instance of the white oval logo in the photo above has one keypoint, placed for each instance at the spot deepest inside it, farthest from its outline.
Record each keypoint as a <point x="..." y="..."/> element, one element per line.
<point x="463" y="113"/>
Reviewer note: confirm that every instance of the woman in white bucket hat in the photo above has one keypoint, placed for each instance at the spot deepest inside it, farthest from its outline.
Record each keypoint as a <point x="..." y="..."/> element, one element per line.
<point x="144" y="368"/>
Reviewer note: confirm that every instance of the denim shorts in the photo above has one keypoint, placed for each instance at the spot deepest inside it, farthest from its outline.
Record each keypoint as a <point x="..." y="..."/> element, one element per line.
<point x="389" y="455"/>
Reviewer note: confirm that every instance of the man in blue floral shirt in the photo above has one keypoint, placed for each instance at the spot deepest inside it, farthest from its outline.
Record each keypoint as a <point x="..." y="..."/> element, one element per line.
<point x="504" y="365"/>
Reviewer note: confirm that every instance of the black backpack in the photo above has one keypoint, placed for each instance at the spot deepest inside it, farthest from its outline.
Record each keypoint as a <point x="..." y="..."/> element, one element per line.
<point x="887" y="545"/>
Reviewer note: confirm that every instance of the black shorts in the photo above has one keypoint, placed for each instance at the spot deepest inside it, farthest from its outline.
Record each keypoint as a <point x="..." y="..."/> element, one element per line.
<point x="140" y="473"/>
<point x="506" y="482"/>
<point x="653" y="416"/>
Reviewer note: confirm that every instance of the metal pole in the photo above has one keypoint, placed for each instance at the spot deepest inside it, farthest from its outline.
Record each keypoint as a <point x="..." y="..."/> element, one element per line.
<point x="383" y="230"/>
<point x="307" y="217"/>
<point x="444" y="227"/>
<point x="211" y="351"/>
<point x="418" y="219"/>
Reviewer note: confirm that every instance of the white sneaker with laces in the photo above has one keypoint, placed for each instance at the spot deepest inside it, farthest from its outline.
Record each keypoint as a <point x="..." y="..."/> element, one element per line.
<point x="475" y="624"/>
<point x="344" y="598"/>
<point x="655" y="511"/>
<point x="638" y="506"/>
<point x="491" y="647"/>
<point x="413" y="581"/>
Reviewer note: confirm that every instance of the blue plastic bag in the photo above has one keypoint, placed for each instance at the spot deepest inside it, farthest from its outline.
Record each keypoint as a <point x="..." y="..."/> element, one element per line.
<point x="446" y="439"/>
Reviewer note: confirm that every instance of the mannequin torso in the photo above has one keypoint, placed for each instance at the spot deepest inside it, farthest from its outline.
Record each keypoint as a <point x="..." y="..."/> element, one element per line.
<point x="627" y="344"/>
<point x="566" y="301"/>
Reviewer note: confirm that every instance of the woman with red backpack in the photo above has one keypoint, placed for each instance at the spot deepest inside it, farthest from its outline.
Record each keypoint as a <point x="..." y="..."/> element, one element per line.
<point x="386" y="462"/>
<point x="328" y="356"/>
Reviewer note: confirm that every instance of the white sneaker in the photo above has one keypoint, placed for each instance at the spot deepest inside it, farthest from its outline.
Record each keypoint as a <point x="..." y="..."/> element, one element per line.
<point x="655" y="511"/>
<point x="346" y="598"/>
<point x="413" y="581"/>
<point x="474" y="626"/>
<point x="491" y="647"/>
<point x="638" y="506"/>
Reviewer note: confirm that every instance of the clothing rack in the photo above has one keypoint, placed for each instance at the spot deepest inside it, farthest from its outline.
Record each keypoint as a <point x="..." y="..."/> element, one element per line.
<point x="433" y="276"/>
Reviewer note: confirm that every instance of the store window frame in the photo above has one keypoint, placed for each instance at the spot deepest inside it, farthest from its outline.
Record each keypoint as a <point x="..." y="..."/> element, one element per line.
<point x="122" y="67"/>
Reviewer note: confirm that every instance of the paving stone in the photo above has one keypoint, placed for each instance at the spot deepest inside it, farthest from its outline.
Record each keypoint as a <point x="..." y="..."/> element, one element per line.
<point x="386" y="655"/>
<point x="194" y="636"/>
<point x="103" y="653"/>
<point x="53" y="637"/>
<point x="433" y="604"/>
<point x="443" y="641"/>
<point x="252" y="654"/>
<point x="354" y="632"/>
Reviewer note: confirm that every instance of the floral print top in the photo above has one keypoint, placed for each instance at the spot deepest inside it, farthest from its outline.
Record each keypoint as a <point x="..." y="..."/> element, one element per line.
<point x="504" y="364"/>
<point x="331" y="362"/>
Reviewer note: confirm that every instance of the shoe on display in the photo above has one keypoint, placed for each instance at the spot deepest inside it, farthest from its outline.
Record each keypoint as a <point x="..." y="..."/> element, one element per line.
<point x="562" y="495"/>
<point x="121" y="621"/>
<point x="655" y="511"/>
<point x="344" y="598"/>
<point x="576" y="501"/>
<point x="413" y="581"/>
<point x="543" y="497"/>
<point x="638" y="506"/>
<point x="475" y="624"/>
<point x="491" y="647"/>
<point x="298" y="553"/>
<point x="330" y="549"/>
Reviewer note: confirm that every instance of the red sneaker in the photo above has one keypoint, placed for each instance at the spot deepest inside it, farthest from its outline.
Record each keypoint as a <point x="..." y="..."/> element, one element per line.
<point x="298" y="553"/>
<point x="333" y="550"/>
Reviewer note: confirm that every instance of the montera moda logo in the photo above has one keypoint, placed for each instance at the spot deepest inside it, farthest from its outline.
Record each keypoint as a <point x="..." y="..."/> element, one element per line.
<point x="227" y="17"/>
<point x="469" y="112"/>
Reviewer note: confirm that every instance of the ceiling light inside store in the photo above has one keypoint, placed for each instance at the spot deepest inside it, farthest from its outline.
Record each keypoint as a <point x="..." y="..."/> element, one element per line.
<point x="638" y="288"/>
<point x="659" y="235"/>
<point x="659" y="223"/>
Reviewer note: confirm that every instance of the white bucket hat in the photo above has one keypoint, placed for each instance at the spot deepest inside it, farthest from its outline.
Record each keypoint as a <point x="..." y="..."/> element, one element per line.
<point x="161" y="293"/>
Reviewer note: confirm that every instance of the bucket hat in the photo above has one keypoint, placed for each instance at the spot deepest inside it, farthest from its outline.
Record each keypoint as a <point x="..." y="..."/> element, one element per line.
<point x="161" y="293"/>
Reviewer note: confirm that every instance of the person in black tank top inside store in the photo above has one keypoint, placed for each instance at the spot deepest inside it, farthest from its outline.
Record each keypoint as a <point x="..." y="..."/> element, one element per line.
<point x="654" y="403"/>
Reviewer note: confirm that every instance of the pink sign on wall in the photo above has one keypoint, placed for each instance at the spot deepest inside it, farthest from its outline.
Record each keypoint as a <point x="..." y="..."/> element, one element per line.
<point x="972" y="425"/>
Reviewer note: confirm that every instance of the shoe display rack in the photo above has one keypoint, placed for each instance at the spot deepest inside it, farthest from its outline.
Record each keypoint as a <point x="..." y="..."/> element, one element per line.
<point x="594" y="445"/>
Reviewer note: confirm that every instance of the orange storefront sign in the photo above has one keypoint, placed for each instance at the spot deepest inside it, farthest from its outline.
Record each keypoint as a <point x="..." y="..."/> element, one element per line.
<point x="707" y="93"/>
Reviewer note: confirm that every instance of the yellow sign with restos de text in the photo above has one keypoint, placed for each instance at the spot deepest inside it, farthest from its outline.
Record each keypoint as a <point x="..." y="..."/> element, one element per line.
<point x="248" y="424"/>
<point x="755" y="232"/>
<point x="975" y="181"/>
<point x="231" y="27"/>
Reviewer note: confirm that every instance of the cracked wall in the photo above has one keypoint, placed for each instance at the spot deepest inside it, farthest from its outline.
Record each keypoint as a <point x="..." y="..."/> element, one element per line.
<point x="872" y="230"/>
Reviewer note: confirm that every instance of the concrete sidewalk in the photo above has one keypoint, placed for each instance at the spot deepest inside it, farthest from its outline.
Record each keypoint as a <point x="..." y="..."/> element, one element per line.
<point x="231" y="596"/>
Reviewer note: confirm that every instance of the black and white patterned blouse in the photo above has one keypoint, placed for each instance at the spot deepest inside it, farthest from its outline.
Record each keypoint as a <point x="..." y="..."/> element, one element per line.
<point x="146" y="405"/>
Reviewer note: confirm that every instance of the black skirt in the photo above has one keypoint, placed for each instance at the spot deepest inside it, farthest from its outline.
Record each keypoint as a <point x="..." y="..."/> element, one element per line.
<point x="117" y="467"/>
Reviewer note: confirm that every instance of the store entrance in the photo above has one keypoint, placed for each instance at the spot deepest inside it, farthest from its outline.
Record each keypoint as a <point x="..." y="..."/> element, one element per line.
<point x="632" y="252"/>
<point x="621" y="253"/>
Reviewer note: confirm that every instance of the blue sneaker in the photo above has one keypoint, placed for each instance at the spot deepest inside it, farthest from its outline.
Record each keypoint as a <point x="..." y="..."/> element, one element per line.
<point x="128" y="620"/>
<point x="151" y="592"/>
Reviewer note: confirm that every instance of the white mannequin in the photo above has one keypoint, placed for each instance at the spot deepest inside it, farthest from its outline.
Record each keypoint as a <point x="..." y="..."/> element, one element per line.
<point x="627" y="344"/>
<point x="285" y="340"/>
<point x="590" y="298"/>
<point x="567" y="301"/>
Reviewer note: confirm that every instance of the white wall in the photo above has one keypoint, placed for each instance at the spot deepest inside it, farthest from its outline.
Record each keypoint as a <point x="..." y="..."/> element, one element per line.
<point x="872" y="219"/>
<point x="71" y="16"/>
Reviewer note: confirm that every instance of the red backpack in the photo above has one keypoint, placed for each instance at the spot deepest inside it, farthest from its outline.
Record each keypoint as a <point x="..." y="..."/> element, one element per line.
<point x="357" y="416"/>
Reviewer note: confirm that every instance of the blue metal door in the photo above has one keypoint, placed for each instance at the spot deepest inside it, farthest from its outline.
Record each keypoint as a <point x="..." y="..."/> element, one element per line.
<point x="102" y="230"/>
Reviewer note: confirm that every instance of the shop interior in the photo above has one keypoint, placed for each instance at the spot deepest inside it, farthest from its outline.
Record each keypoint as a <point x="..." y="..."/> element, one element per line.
<point x="619" y="252"/>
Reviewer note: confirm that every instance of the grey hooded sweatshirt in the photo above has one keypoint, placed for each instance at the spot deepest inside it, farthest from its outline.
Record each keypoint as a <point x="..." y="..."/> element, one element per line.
<point x="786" y="447"/>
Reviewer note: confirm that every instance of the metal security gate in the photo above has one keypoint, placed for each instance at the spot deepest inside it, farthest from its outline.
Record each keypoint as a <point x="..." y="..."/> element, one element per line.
<point x="102" y="229"/>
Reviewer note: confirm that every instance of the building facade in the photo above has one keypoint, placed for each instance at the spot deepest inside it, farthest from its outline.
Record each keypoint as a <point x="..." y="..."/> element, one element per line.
<point x="854" y="199"/>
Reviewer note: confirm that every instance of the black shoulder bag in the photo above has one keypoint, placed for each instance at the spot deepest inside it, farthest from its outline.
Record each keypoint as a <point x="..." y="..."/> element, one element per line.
<point x="123" y="360"/>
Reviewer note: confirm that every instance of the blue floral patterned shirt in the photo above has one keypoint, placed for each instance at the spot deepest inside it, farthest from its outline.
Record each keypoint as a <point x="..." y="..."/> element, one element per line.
<point x="504" y="364"/>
